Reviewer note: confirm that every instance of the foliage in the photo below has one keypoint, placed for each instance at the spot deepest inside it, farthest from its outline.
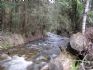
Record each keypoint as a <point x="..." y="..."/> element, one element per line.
<point x="90" y="18"/>
<point x="74" y="67"/>
<point x="80" y="7"/>
<point x="7" y="5"/>
<point x="4" y="45"/>
<point x="29" y="16"/>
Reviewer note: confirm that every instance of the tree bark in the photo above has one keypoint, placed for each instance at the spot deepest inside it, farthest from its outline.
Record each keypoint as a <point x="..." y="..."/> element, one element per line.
<point x="1" y="15"/>
<point x="85" y="16"/>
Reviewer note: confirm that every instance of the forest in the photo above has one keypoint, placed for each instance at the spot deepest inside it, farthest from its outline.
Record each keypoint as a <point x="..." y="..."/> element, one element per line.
<point x="46" y="34"/>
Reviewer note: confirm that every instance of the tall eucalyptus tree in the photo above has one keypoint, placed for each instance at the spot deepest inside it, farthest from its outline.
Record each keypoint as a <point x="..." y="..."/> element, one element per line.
<point x="85" y="16"/>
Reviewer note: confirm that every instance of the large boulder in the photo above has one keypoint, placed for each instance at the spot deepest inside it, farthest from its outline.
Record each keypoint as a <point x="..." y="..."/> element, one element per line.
<point x="78" y="42"/>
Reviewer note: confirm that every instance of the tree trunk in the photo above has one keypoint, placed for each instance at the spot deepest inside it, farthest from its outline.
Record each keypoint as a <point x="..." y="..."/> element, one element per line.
<point x="1" y="15"/>
<point x="85" y="16"/>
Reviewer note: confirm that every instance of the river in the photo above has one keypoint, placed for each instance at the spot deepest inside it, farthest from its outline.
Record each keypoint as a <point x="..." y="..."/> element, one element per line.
<point x="34" y="55"/>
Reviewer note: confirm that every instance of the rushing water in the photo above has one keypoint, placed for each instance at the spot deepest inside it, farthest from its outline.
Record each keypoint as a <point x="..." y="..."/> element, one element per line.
<point x="39" y="53"/>
<point x="16" y="63"/>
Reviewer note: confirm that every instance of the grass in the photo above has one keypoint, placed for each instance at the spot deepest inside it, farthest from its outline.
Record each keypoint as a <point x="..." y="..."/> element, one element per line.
<point x="5" y="45"/>
<point x="74" y="67"/>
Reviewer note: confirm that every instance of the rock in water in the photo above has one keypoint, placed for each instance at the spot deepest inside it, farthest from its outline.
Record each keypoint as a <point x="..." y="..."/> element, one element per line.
<point x="78" y="42"/>
<point x="62" y="62"/>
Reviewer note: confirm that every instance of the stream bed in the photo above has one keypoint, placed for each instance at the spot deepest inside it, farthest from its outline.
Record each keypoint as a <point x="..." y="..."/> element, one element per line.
<point x="33" y="55"/>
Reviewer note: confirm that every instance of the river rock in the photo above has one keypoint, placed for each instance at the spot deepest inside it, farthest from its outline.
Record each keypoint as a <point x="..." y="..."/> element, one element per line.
<point x="89" y="34"/>
<point x="4" y="56"/>
<point x="16" y="63"/>
<point x="55" y="65"/>
<point x="37" y="66"/>
<point x="78" y="42"/>
<point x="45" y="67"/>
<point x="62" y="62"/>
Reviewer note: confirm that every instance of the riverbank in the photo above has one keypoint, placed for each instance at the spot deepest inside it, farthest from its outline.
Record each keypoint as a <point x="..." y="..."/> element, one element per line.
<point x="8" y="39"/>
